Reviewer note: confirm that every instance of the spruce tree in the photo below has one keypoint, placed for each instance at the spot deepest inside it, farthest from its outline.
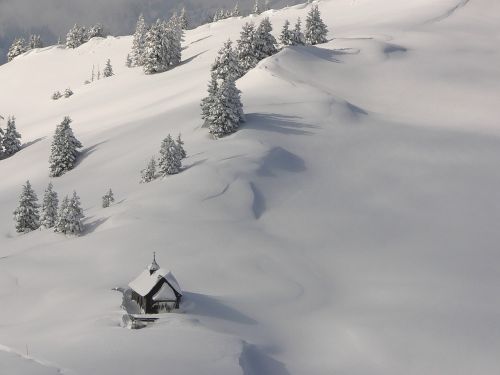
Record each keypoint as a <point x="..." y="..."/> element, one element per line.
<point x="17" y="48"/>
<point x="68" y="92"/>
<point x="286" y="34"/>
<point x="256" y="7"/>
<point x="95" y="31"/>
<point x="35" y="41"/>
<point x="265" y="43"/>
<point x="50" y="203"/>
<point x="154" y="56"/>
<point x="226" y="62"/>
<point x="236" y="11"/>
<point x="57" y="95"/>
<point x="11" y="142"/>
<point x="180" y="146"/>
<point x="108" y="199"/>
<point x="149" y="173"/>
<point x="128" y="61"/>
<point x="208" y="101"/>
<point x="245" y="49"/>
<point x="64" y="150"/>
<point x="76" y="36"/>
<point x="70" y="215"/>
<point x="184" y="20"/>
<point x="316" y="29"/>
<point x="26" y="214"/>
<point x="139" y="42"/>
<point x="170" y="157"/>
<point x="108" y="69"/>
<point x="297" y="37"/>
<point x="60" y="224"/>
<point x="226" y="110"/>
<point x="1" y="137"/>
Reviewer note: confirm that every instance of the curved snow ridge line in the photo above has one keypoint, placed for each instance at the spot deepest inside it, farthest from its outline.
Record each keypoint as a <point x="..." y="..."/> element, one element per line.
<point x="40" y="362"/>
<point x="448" y="13"/>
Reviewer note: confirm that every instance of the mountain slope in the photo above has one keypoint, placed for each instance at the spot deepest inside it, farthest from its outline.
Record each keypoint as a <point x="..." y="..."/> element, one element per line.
<point x="348" y="227"/>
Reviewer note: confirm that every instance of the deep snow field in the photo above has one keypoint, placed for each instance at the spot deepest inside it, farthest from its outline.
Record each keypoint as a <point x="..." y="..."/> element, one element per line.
<point x="349" y="227"/>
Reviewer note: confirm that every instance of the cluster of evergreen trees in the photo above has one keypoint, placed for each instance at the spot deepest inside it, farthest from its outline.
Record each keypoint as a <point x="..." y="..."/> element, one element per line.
<point x="315" y="32"/>
<point x="157" y="47"/>
<point x="64" y="150"/>
<point x="79" y="35"/>
<point x="108" y="199"/>
<point x="66" y="218"/>
<point x="222" y="13"/>
<point x="170" y="161"/>
<point x="10" y="139"/>
<point x="21" y="45"/>
<point x="67" y="93"/>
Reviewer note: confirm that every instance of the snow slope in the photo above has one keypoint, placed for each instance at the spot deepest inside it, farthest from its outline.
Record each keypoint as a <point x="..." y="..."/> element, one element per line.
<point x="349" y="227"/>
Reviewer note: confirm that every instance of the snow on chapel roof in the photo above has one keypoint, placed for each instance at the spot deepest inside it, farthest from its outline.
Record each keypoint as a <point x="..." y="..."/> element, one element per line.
<point x="146" y="281"/>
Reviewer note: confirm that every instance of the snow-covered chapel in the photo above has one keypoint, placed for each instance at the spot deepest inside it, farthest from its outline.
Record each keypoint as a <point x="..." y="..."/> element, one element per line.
<point x="156" y="290"/>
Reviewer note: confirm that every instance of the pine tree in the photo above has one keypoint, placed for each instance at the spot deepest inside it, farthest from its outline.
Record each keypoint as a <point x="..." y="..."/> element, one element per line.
<point x="208" y="101"/>
<point x="95" y="31"/>
<point x="70" y="215"/>
<point x="297" y="37"/>
<point x="64" y="150"/>
<point x="265" y="43"/>
<point x="128" y="61"/>
<point x="170" y="157"/>
<point x="26" y="214"/>
<point x="184" y="20"/>
<point x="139" y="42"/>
<point x="50" y="202"/>
<point x="226" y="62"/>
<point x="57" y="95"/>
<point x="108" y="199"/>
<point x="154" y="57"/>
<point x="35" y="41"/>
<point x="149" y="173"/>
<point x="11" y="142"/>
<point x="172" y="41"/>
<point x="75" y="37"/>
<point x="180" y="146"/>
<point x="286" y="34"/>
<point x="256" y="7"/>
<point x="17" y="48"/>
<point x="245" y="49"/>
<point x="108" y="69"/>
<point x="316" y="29"/>
<point x="68" y="92"/>
<point x="60" y="224"/>
<point x="236" y="11"/>
<point x="226" y="110"/>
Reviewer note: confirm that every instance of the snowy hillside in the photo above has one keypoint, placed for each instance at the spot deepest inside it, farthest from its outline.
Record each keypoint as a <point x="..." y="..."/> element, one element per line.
<point x="349" y="227"/>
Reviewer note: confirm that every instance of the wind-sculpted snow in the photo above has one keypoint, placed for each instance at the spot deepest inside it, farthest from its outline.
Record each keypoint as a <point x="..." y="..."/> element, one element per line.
<point x="349" y="226"/>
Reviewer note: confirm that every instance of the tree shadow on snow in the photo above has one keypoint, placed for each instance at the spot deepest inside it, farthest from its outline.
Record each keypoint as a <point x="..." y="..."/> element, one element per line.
<point x="31" y="143"/>
<point x="331" y="55"/>
<point x="254" y="361"/>
<point x="86" y="152"/>
<point x="277" y="123"/>
<point x="203" y="305"/>
<point x="196" y="163"/>
<point x="192" y="58"/>
<point x="91" y="226"/>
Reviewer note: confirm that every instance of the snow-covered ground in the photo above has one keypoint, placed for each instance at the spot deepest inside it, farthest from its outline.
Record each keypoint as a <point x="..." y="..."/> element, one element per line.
<point x="349" y="227"/>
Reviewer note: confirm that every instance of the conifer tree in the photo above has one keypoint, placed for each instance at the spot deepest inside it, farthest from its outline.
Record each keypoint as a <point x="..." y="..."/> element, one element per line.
<point x="149" y="173"/>
<point x="64" y="150"/>
<point x="57" y="95"/>
<point x="316" y="29"/>
<point x="11" y="142"/>
<point x="256" y="7"/>
<point x="128" y="61"/>
<point x="180" y="146"/>
<point x="265" y="43"/>
<point x="26" y="214"/>
<point x="208" y="101"/>
<point x="17" y="48"/>
<point x="76" y="36"/>
<point x="35" y="41"/>
<point x="1" y="137"/>
<point x="154" y="56"/>
<point x="226" y="62"/>
<point x="60" y="224"/>
<point x="50" y="203"/>
<point x="170" y="157"/>
<point x="68" y="92"/>
<point x="95" y="31"/>
<point x="70" y="215"/>
<point x="226" y="110"/>
<point x="286" y="34"/>
<point x="245" y="49"/>
<point x="139" y="42"/>
<point x="297" y="37"/>
<point x="108" y="199"/>
<point x="184" y="20"/>
<point x="236" y="11"/>
<point x="108" y="69"/>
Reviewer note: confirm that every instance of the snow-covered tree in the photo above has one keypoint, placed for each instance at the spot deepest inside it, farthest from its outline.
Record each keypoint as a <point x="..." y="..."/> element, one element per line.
<point x="264" y="41"/>
<point x="26" y="214"/>
<point x="11" y="141"/>
<point x="170" y="158"/>
<point x="184" y="20"/>
<point x="76" y="36"/>
<point x="108" y="199"/>
<point x="267" y="5"/>
<point x="50" y="203"/>
<point x="236" y="11"/>
<point x="226" y="62"/>
<point x="95" y="31"/>
<point x="316" y="29"/>
<point x="245" y="48"/>
<point x="139" y="42"/>
<point x="68" y="92"/>
<point x="180" y="146"/>
<point x="148" y="174"/>
<point x="256" y="7"/>
<point x="108" y="69"/>
<point x="297" y="37"/>
<point x="35" y="41"/>
<point x="226" y="110"/>
<point x="70" y="215"/>
<point x="56" y="95"/>
<point x="17" y="48"/>
<point x="128" y="61"/>
<point x="154" y="53"/>
<point x="286" y="34"/>
<point x="208" y="101"/>
<point x="64" y="150"/>
<point x="172" y="41"/>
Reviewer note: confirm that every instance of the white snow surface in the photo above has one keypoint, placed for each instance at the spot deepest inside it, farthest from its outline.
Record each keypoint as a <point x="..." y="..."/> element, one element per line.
<point x="146" y="281"/>
<point x="349" y="227"/>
